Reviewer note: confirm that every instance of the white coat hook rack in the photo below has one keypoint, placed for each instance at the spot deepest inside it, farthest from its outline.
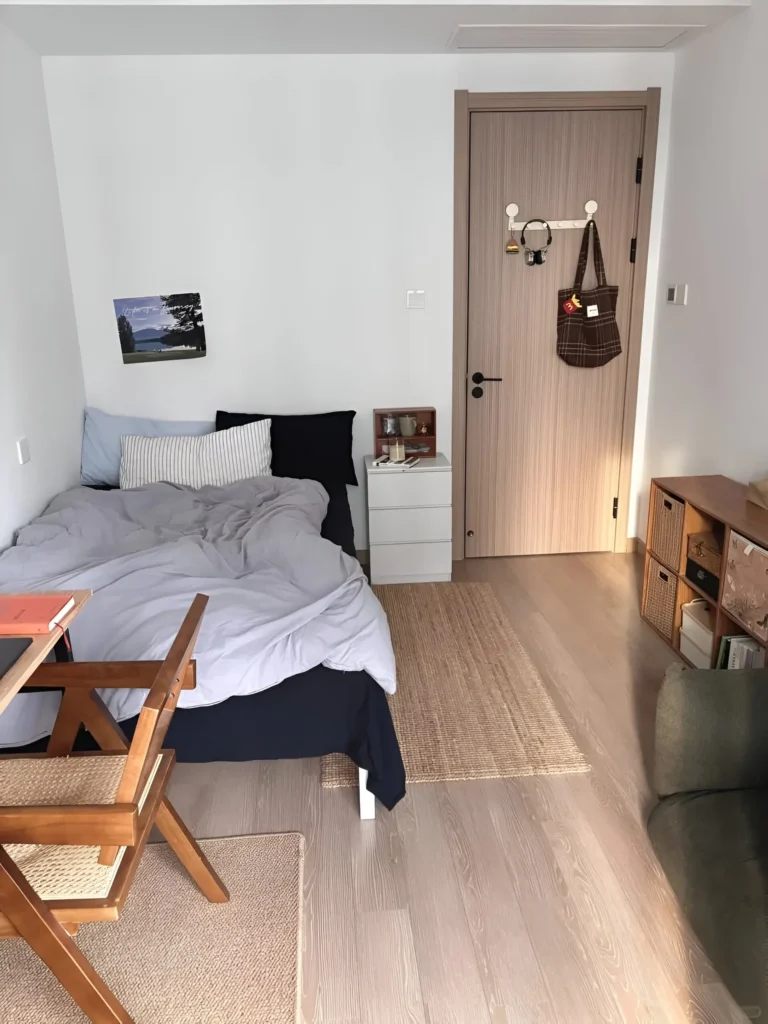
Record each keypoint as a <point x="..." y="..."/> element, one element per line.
<point x="590" y="208"/>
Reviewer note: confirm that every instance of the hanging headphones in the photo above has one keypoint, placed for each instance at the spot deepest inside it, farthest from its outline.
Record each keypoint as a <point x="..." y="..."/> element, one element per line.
<point x="535" y="257"/>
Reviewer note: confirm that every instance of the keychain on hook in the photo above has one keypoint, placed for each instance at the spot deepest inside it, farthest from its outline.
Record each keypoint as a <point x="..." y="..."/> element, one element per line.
<point x="512" y="248"/>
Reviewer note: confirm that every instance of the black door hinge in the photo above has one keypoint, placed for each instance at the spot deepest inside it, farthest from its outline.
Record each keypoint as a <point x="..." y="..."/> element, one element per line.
<point x="615" y="508"/>
<point x="639" y="170"/>
<point x="633" y="250"/>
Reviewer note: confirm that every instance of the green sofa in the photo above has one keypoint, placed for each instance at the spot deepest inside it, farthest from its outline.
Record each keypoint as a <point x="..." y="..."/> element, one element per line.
<point x="710" y="827"/>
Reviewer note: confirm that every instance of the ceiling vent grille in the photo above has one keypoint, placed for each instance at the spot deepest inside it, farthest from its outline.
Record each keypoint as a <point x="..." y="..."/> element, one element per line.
<point x="565" y="37"/>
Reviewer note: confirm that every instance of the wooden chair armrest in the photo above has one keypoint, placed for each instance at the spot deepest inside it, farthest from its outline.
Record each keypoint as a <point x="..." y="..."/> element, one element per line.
<point x="105" y="675"/>
<point x="79" y="825"/>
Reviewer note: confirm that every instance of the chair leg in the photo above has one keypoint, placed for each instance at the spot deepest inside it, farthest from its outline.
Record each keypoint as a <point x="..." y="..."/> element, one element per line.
<point x="67" y="724"/>
<point x="189" y="853"/>
<point x="108" y="734"/>
<point x="34" y="922"/>
<point x="102" y="726"/>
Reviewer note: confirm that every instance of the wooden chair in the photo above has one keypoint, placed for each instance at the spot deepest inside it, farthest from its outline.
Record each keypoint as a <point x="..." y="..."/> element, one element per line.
<point x="73" y="828"/>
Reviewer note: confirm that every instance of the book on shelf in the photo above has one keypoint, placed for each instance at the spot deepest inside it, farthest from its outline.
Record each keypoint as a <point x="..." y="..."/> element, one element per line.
<point x="740" y="652"/>
<point x="31" y="614"/>
<point x="757" y="658"/>
<point x="724" y="652"/>
<point x="735" y="654"/>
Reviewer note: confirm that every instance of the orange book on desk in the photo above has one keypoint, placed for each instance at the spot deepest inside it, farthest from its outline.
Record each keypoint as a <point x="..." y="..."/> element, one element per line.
<point x="30" y="614"/>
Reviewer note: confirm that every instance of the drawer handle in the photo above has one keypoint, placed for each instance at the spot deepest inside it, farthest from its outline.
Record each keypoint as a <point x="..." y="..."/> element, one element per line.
<point x="663" y="576"/>
<point x="668" y="504"/>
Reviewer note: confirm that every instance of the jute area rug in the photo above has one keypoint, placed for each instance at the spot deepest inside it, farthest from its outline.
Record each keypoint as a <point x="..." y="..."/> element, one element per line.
<point x="175" y="958"/>
<point x="470" y="704"/>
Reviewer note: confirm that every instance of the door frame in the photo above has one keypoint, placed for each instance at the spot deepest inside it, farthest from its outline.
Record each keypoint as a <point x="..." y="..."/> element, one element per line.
<point x="466" y="104"/>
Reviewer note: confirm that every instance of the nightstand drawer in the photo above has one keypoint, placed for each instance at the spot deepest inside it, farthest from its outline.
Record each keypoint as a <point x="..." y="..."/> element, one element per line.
<point x="406" y="525"/>
<point x="397" y="563"/>
<point x="408" y="488"/>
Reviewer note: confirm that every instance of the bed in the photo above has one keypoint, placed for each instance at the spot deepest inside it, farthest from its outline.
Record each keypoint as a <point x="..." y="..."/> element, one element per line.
<point x="310" y="713"/>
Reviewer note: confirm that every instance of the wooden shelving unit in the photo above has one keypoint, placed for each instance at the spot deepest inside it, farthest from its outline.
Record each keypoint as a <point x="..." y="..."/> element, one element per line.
<point x="424" y="445"/>
<point x="709" y="504"/>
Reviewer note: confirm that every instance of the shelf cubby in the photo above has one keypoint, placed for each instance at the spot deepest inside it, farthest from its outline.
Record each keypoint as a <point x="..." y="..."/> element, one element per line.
<point x="710" y="504"/>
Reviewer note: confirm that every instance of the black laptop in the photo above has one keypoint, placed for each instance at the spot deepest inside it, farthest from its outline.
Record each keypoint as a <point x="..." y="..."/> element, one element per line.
<point x="11" y="649"/>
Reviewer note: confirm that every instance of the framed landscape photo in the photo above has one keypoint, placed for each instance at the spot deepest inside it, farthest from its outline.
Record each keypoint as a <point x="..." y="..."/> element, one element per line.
<point x="152" y="328"/>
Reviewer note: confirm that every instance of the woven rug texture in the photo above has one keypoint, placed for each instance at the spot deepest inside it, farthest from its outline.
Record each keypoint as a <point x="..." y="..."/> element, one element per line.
<point x="470" y="704"/>
<point x="175" y="958"/>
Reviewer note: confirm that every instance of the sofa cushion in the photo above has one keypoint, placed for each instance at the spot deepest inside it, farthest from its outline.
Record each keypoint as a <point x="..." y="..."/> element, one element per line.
<point x="713" y="847"/>
<point x="711" y="731"/>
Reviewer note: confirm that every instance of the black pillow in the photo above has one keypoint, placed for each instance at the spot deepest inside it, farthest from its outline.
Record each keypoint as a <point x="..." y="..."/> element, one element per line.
<point x="311" y="447"/>
<point x="337" y="525"/>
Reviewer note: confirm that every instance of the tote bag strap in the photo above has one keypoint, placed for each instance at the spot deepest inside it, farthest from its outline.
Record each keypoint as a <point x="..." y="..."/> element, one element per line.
<point x="581" y="267"/>
<point x="598" y="254"/>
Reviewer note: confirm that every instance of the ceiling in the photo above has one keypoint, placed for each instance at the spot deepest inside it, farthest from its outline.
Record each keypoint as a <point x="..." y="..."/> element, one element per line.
<point x="212" y="28"/>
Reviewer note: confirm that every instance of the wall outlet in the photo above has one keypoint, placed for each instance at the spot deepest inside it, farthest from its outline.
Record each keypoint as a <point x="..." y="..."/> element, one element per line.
<point x="677" y="294"/>
<point x="22" y="451"/>
<point x="416" y="298"/>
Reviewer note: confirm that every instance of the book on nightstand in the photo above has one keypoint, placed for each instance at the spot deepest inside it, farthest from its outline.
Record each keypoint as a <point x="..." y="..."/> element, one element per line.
<point x="31" y="614"/>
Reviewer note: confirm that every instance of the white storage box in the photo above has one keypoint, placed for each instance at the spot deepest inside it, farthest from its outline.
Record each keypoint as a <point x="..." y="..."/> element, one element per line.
<point x="694" y="654"/>
<point x="699" y="626"/>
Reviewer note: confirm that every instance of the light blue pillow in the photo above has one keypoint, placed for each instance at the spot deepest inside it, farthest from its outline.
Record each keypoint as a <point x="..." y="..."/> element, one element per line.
<point x="100" y="461"/>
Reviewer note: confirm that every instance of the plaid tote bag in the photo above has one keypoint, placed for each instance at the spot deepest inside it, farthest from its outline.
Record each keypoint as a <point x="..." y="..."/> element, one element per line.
<point x="587" y="332"/>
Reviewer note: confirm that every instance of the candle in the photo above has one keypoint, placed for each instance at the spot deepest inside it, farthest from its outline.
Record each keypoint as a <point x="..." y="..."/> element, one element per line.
<point x="397" y="449"/>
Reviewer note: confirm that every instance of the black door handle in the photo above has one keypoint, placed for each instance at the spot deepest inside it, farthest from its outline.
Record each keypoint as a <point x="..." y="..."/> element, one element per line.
<point x="478" y="378"/>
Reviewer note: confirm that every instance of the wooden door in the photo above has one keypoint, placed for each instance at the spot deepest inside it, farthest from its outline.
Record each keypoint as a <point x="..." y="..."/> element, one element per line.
<point x="543" y="444"/>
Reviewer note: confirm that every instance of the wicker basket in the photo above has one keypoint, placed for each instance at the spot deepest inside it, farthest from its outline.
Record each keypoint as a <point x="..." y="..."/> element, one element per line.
<point x="667" y="532"/>
<point x="660" y="598"/>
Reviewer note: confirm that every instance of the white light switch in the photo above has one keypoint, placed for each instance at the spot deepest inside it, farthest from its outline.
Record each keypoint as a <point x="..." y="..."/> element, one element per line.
<point x="22" y="450"/>
<point x="677" y="294"/>
<point x="416" y="298"/>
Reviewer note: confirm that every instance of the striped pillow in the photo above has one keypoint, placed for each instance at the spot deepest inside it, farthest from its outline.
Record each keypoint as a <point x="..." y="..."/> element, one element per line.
<point x="210" y="460"/>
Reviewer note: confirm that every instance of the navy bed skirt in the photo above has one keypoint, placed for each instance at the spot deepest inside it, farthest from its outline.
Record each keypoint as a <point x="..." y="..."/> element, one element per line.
<point x="318" y="712"/>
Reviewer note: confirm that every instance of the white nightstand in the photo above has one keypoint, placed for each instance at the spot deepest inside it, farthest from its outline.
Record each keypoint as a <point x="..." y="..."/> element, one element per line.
<point x="409" y="521"/>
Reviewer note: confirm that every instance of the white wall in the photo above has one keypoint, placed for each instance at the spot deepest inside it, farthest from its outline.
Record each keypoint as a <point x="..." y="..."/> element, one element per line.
<point x="302" y="196"/>
<point x="41" y="381"/>
<point x="709" y="404"/>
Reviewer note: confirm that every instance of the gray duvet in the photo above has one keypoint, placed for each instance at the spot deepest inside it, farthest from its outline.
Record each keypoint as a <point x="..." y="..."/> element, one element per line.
<point x="282" y="599"/>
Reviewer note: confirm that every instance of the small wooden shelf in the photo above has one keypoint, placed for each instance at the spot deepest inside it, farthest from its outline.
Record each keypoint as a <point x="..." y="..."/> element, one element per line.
<point x="424" y="415"/>
<point x="698" y="591"/>
<point x="740" y="627"/>
<point x="712" y="504"/>
<point x="728" y="618"/>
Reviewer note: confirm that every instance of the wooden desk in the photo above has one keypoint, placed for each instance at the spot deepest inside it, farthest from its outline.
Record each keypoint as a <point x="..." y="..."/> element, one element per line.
<point x="36" y="653"/>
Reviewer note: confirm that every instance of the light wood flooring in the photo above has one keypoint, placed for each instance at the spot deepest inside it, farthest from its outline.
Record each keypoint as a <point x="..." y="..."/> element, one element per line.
<point x="507" y="901"/>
